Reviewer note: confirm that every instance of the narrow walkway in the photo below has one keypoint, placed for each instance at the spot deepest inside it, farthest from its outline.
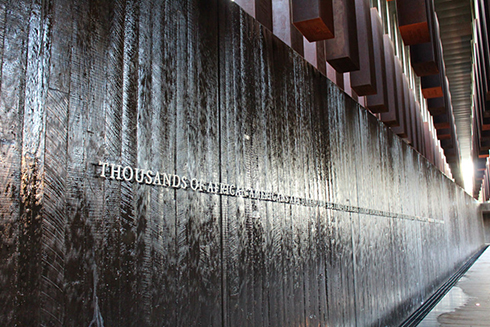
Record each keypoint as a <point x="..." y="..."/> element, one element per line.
<point x="468" y="302"/>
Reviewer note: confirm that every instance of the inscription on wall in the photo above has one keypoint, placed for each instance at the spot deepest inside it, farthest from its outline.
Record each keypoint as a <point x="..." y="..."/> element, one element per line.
<point x="112" y="171"/>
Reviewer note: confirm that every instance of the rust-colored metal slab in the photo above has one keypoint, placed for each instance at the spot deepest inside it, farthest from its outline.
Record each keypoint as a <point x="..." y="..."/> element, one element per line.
<point x="413" y="21"/>
<point x="283" y="27"/>
<point x="411" y="115"/>
<point x="447" y="142"/>
<point x="403" y="100"/>
<point x="378" y="102"/>
<point x="339" y="80"/>
<point x="436" y="106"/>
<point x="403" y="96"/>
<point x="342" y="51"/>
<point x="390" y="118"/>
<point x="420" y="128"/>
<point x="320" y="55"/>
<point x="407" y="112"/>
<point x="441" y="122"/>
<point x="259" y="9"/>
<point x="263" y="12"/>
<point x="363" y="81"/>
<point x="424" y="59"/>
<point x="432" y="86"/>
<point x="313" y="18"/>
<point x="432" y="92"/>
<point x="314" y="53"/>
<point x="444" y="134"/>
<point x="428" y="149"/>
<point x="484" y="154"/>
<point x="296" y="40"/>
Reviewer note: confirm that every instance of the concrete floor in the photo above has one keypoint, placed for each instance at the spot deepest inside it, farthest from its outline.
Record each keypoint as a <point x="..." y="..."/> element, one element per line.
<point x="468" y="302"/>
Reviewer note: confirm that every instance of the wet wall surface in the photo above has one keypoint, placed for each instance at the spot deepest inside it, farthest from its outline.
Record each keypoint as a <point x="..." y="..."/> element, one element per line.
<point x="339" y="222"/>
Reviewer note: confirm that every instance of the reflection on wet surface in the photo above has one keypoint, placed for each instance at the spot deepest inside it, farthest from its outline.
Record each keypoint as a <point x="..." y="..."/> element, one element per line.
<point x="468" y="302"/>
<point x="454" y="299"/>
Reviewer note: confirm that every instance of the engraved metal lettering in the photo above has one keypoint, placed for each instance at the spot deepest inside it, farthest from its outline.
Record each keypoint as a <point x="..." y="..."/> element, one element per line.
<point x="185" y="183"/>
<point x="104" y="166"/>
<point x="129" y="174"/>
<point x="149" y="177"/>
<point x="141" y="175"/>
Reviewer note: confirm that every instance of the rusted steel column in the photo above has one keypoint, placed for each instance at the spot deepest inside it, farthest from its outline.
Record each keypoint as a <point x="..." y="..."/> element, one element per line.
<point x="436" y="106"/>
<point x="342" y="51"/>
<point x="403" y="128"/>
<point x="432" y="86"/>
<point x="428" y="147"/>
<point x="314" y="53"/>
<point x="420" y="129"/>
<point x="378" y="102"/>
<point x="283" y="27"/>
<point x="334" y="76"/>
<point x="339" y="80"/>
<point x="390" y="118"/>
<point x="259" y="9"/>
<point x="348" y="88"/>
<point x="263" y="12"/>
<point x="402" y="96"/>
<point x="313" y="18"/>
<point x="320" y="55"/>
<point x="363" y="81"/>
<point x="416" y="127"/>
<point x="441" y="122"/>
<point x="413" y="21"/>
<point x="408" y="115"/>
<point x="426" y="57"/>
<point x="414" y="136"/>
<point x="444" y="134"/>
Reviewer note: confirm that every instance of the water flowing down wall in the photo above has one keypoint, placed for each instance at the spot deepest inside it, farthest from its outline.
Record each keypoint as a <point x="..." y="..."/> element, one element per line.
<point x="172" y="163"/>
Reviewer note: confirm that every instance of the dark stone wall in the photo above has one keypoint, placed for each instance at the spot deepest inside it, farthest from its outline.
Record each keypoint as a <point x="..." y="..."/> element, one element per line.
<point x="197" y="88"/>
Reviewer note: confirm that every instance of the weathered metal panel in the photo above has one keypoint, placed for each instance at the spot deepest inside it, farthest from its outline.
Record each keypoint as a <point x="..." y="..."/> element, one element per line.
<point x="263" y="12"/>
<point x="314" y="53"/>
<point x="413" y="21"/>
<point x="432" y="86"/>
<point x="283" y="26"/>
<point x="363" y="81"/>
<point x="342" y="52"/>
<point x="259" y="9"/>
<point x="313" y="18"/>
<point x="424" y="59"/>
<point x="379" y="102"/>
<point x="393" y="88"/>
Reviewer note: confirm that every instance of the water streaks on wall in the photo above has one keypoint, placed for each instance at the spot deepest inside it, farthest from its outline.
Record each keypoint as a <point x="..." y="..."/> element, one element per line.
<point x="198" y="88"/>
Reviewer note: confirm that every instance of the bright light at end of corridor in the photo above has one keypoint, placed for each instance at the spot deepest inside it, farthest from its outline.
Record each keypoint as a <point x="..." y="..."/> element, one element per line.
<point x="467" y="170"/>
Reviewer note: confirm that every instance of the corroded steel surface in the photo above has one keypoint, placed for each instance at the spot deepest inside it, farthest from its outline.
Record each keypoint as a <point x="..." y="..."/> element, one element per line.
<point x="363" y="81"/>
<point x="198" y="88"/>
<point x="413" y="21"/>
<point x="378" y="102"/>
<point x="313" y="18"/>
<point x="342" y="52"/>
